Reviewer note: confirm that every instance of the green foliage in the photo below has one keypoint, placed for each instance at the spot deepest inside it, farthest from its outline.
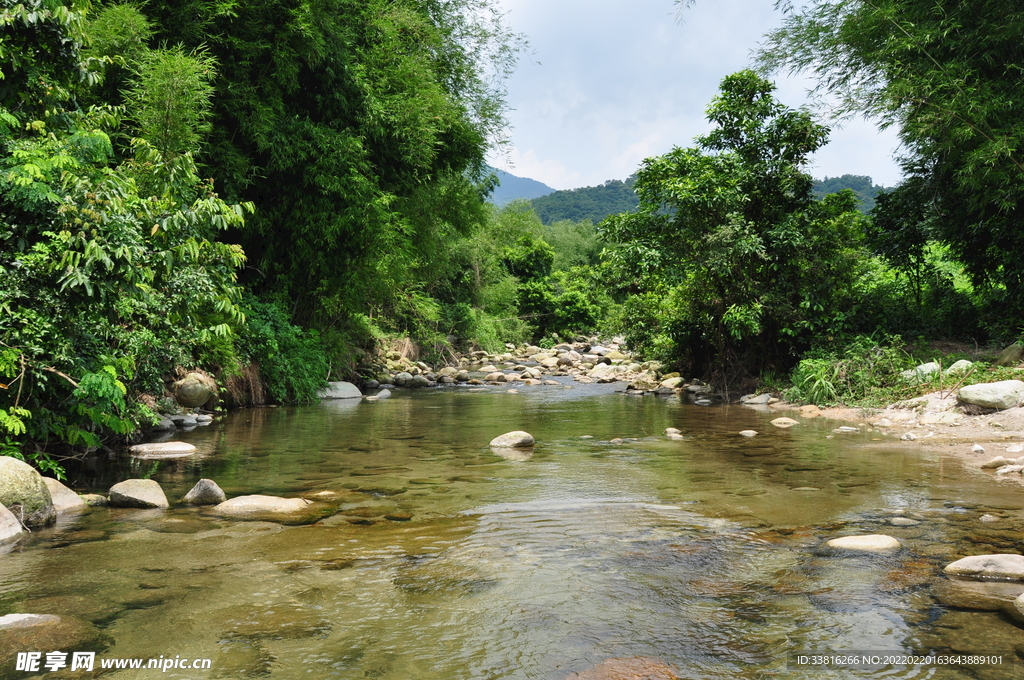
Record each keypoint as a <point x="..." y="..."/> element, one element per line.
<point x="862" y="371"/>
<point x="575" y="244"/>
<point x="948" y="76"/>
<point x="729" y="244"/>
<point x="587" y="203"/>
<point x="293" y="363"/>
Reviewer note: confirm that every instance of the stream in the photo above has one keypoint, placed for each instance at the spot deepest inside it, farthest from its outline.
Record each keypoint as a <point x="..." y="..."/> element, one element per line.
<point x="450" y="561"/>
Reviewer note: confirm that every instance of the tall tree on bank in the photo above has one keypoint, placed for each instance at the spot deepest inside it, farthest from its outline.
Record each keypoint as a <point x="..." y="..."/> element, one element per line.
<point x="950" y="77"/>
<point x="359" y="130"/>
<point x="729" y="264"/>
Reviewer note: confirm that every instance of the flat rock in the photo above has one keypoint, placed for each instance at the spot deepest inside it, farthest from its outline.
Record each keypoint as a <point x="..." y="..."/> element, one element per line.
<point x="748" y="433"/>
<point x="998" y="395"/>
<point x="672" y="430"/>
<point x="1000" y="566"/>
<point x="846" y="429"/>
<point x="513" y="440"/>
<point x="16" y="621"/>
<point x="10" y="527"/>
<point x="868" y="543"/>
<point x="64" y="499"/>
<point x="995" y="463"/>
<point x="988" y="596"/>
<point x="903" y="522"/>
<point x="340" y="390"/>
<point x="269" y="508"/>
<point x="672" y="383"/>
<point x="183" y="420"/>
<point x="785" y="422"/>
<point x="162" y="450"/>
<point x="759" y="399"/>
<point x="205" y="492"/>
<point x="138" y="493"/>
<point x="24" y="493"/>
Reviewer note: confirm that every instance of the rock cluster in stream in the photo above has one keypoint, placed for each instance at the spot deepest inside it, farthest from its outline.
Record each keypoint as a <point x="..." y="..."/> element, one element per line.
<point x="584" y="361"/>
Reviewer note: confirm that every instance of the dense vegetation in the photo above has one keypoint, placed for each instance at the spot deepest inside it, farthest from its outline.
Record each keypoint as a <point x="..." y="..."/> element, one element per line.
<point x="267" y="191"/>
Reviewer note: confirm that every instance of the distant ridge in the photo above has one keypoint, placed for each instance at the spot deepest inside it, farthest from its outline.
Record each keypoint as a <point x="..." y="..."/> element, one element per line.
<point x="513" y="187"/>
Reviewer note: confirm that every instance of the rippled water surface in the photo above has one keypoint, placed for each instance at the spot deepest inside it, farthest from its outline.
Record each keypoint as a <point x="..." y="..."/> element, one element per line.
<point x="450" y="561"/>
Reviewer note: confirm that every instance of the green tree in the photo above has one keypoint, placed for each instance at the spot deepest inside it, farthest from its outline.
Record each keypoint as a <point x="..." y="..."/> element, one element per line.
<point x="949" y="77"/>
<point x="729" y="259"/>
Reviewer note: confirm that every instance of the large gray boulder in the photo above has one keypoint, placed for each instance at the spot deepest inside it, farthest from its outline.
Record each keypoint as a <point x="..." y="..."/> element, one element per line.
<point x="1011" y="355"/>
<point x="194" y="390"/>
<point x="64" y="499"/>
<point x="340" y="390"/>
<point x="205" y="492"/>
<point x="1001" y="566"/>
<point x="138" y="493"/>
<point x="25" y="494"/>
<point x="10" y="527"/>
<point x="999" y="395"/>
<point x="513" y="440"/>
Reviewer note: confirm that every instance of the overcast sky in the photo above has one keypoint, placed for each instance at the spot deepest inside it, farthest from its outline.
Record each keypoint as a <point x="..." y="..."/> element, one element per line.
<point x="611" y="82"/>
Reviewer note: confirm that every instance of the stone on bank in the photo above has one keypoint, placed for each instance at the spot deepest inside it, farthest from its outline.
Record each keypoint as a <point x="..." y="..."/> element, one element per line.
<point x="138" y="493"/>
<point x="998" y="395"/>
<point x="24" y="493"/>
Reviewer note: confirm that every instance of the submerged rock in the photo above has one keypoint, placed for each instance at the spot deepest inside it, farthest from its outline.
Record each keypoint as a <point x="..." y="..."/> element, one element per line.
<point x="205" y="492"/>
<point x="636" y="668"/>
<point x="24" y="493"/>
<point x="162" y="450"/>
<point x="513" y="440"/>
<point x="138" y="493"/>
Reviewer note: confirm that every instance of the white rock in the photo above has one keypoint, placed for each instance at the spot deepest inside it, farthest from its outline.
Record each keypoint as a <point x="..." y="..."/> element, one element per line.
<point x="988" y="518"/>
<point x="759" y="399"/>
<point x="846" y="429"/>
<point x="977" y="448"/>
<point x="513" y="440"/>
<point x="748" y="433"/>
<point x="903" y="522"/>
<point x="1009" y="469"/>
<point x="1014" y="448"/>
<point x="256" y="505"/>
<point x="676" y="437"/>
<point x="340" y="390"/>
<point x="960" y="366"/>
<point x="785" y="422"/>
<point x="672" y="430"/>
<point x="922" y="372"/>
<point x="1006" y="566"/>
<point x="995" y="463"/>
<point x="10" y="527"/>
<point x="162" y="450"/>
<point x="869" y="543"/>
<point x="909" y="437"/>
<point x="138" y="493"/>
<point x="998" y="395"/>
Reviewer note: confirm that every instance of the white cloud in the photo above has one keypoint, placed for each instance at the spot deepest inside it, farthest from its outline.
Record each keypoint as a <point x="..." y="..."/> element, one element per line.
<point x="617" y="82"/>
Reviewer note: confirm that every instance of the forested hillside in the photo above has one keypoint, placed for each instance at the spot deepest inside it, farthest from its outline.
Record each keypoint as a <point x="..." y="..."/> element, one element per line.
<point x="860" y="185"/>
<point x="587" y="203"/>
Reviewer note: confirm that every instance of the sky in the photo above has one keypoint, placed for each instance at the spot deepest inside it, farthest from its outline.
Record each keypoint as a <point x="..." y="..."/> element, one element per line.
<point x="607" y="83"/>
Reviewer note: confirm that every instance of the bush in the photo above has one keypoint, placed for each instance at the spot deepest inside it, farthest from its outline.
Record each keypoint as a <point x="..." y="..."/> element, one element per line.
<point x="863" y="371"/>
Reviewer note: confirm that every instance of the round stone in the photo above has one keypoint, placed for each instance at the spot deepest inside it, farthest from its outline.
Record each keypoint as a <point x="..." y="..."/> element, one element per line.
<point x="869" y="543"/>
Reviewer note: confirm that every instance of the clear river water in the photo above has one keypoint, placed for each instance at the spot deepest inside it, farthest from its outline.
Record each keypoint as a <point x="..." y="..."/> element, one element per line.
<point x="452" y="561"/>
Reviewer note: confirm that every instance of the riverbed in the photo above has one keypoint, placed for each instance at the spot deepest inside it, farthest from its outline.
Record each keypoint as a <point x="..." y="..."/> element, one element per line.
<point x="452" y="561"/>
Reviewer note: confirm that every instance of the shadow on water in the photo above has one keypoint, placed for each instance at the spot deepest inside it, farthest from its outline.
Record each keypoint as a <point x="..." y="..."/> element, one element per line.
<point x="448" y="561"/>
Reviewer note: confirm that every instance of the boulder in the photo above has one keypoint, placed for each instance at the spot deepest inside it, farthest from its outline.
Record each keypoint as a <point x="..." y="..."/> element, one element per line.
<point x="183" y="420"/>
<point x="496" y="376"/>
<point x="383" y="394"/>
<point x="922" y="372"/>
<point x="10" y="527"/>
<point x="604" y="372"/>
<point x="419" y="380"/>
<point x="672" y="383"/>
<point x="1001" y="566"/>
<point x="64" y="499"/>
<point x="194" y="390"/>
<point x="24" y="493"/>
<point x="205" y="492"/>
<point x="138" y="493"/>
<point x="162" y="450"/>
<point x="402" y="379"/>
<point x="959" y="367"/>
<point x="785" y="422"/>
<point x="998" y="395"/>
<point x="162" y="424"/>
<point x="462" y="376"/>
<point x="204" y="419"/>
<point x="988" y="596"/>
<point x="995" y="463"/>
<point x="615" y="354"/>
<point x="759" y="399"/>
<point x="270" y="508"/>
<point x="1010" y="356"/>
<point x="868" y="543"/>
<point x="340" y="390"/>
<point x="513" y="440"/>
<point x="449" y="371"/>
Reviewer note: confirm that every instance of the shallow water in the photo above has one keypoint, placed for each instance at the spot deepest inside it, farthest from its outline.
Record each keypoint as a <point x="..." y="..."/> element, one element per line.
<point x="703" y="553"/>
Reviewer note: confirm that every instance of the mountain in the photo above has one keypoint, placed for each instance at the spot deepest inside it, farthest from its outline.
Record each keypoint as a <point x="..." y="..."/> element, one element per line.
<point x="859" y="184"/>
<point x="587" y="203"/>
<point x="513" y="187"/>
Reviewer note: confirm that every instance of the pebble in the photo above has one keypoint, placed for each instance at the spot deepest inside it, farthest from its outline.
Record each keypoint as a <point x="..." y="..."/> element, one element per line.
<point x="909" y="437"/>
<point x="748" y="433"/>
<point x="988" y="518"/>
<point x="785" y="422"/>
<point x="846" y="429"/>
<point x="977" y="448"/>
